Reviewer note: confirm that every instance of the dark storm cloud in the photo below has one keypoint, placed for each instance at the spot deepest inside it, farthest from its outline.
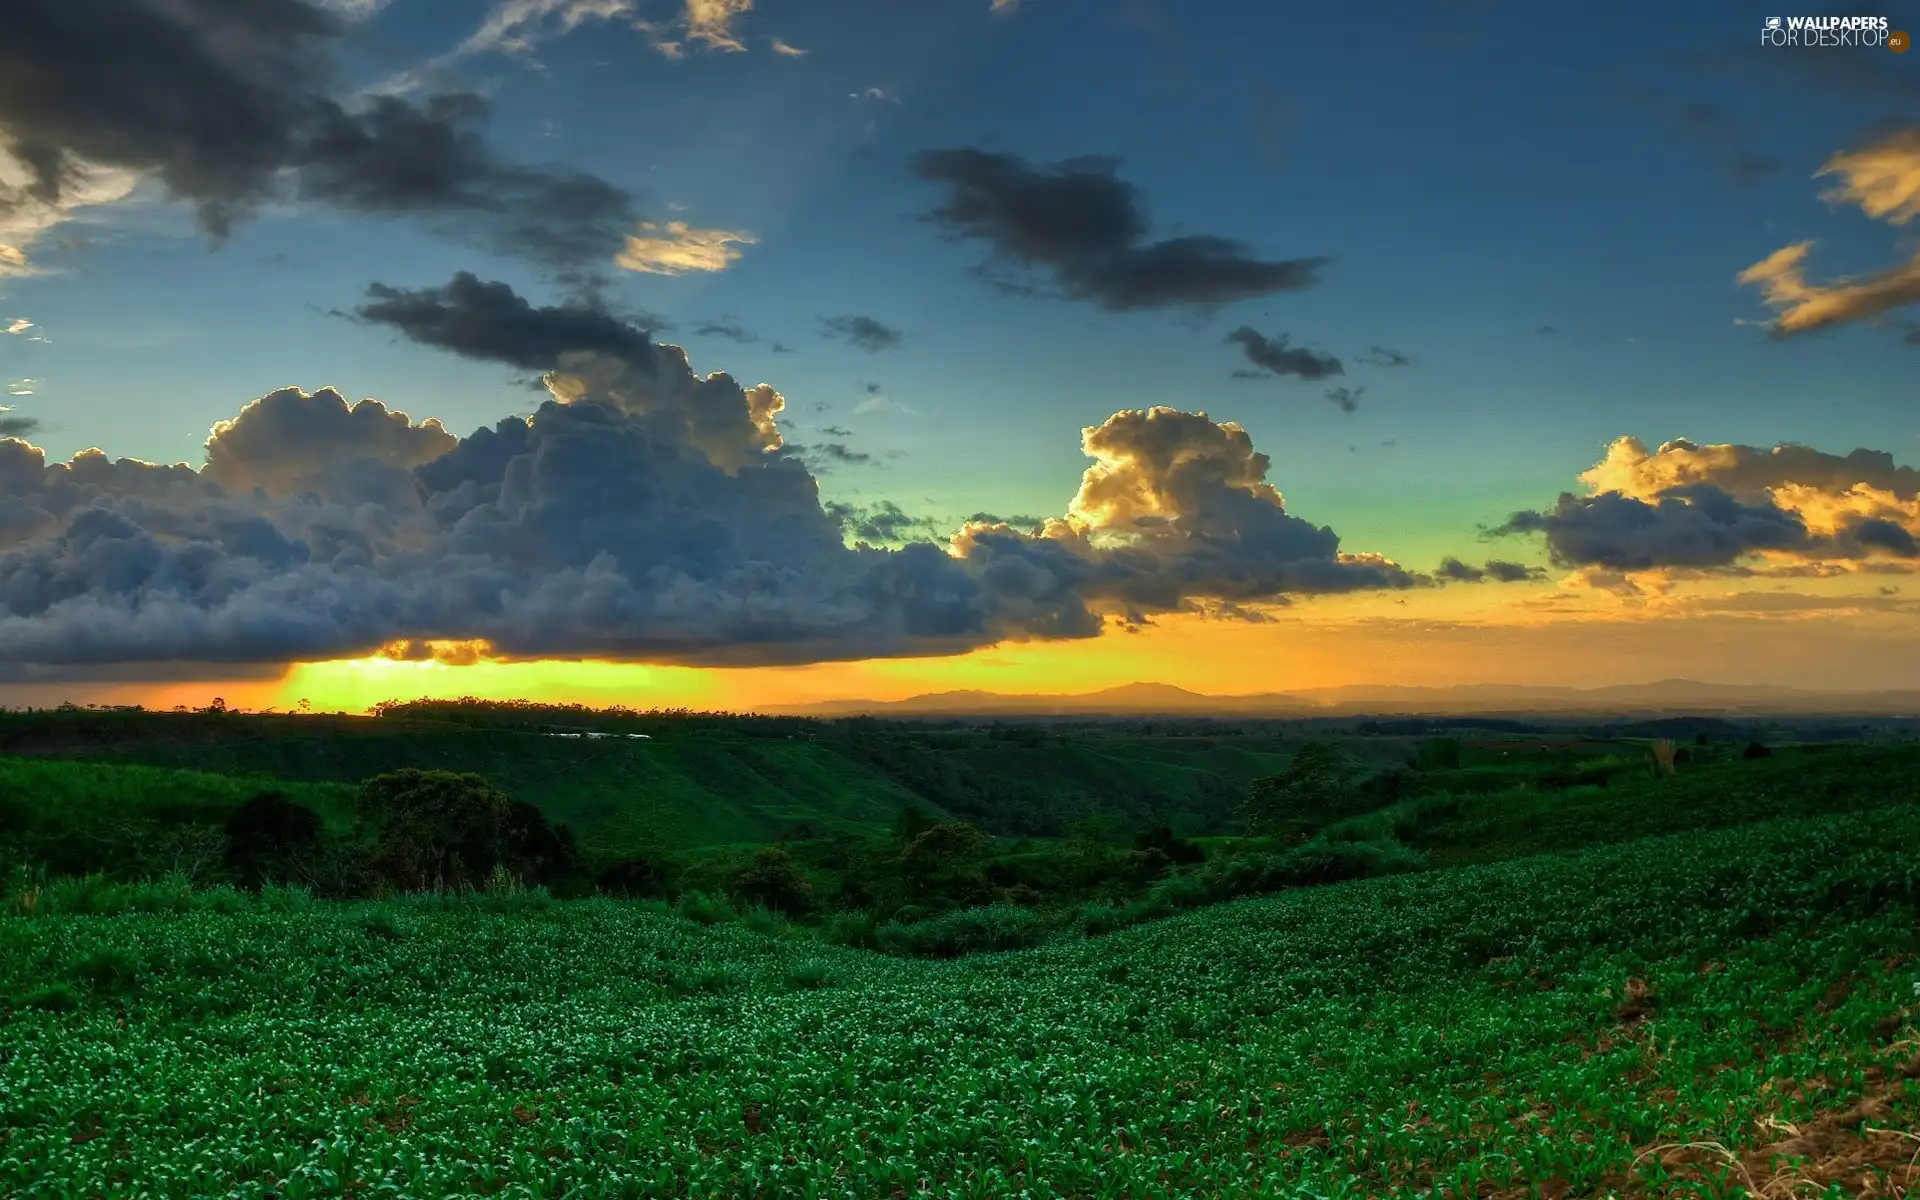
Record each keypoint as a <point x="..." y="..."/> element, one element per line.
<point x="865" y="332"/>
<point x="1078" y="223"/>
<point x="1695" y="525"/>
<point x="229" y="106"/>
<point x="837" y="431"/>
<point x="493" y="323"/>
<point x="18" y="427"/>
<point x="643" y="513"/>
<point x="1274" y="356"/>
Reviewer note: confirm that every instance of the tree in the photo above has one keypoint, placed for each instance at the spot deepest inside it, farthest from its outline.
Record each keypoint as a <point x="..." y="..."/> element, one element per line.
<point x="1756" y="750"/>
<point x="1314" y="783"/>
<point x="774" y="880"/>
<point x="433" y="829"/>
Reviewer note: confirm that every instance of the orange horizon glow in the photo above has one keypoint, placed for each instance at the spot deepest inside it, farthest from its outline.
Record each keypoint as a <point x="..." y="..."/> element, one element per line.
<point x="1822" y="635"/>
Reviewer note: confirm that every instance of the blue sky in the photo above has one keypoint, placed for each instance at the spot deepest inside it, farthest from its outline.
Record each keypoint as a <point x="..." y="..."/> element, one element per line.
<point x="1472" y="172"/>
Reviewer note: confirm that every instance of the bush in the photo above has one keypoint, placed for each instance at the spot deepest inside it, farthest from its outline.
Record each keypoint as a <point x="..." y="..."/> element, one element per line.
<point x="775" y="881"/>
<point x="813" y="973"/>
<point x="1177" y="849"/>
<point x="850" y="929"/>
<point x="964" y="931"/>
<point x="764" y="921"/>
<point x="632" y="877"/>
<point x="702" y="909"/>
<point x="1756" y="750"/>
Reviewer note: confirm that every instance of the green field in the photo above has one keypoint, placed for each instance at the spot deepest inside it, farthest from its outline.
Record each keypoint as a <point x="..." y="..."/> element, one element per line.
<point x="1656" y="1018"/>
<point x="1493" y="970"/>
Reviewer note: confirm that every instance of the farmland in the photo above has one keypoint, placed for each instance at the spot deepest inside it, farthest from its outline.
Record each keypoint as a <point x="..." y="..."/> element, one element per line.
<point x="1469" y="967"/>
<point x="1643" y="1019"/>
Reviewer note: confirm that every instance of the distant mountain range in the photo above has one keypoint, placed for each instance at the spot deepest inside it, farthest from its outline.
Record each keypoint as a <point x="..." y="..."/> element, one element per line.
<point x="1143" y="699"/>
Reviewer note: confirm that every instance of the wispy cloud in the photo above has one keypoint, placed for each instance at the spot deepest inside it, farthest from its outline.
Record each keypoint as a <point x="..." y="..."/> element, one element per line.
<point x="1883" y="180"/>
<point x="711" y="22"/>
<point x="786" y="50"/>
<point x="17" y="326"/>
<point x="676" y="248"/>
<point x="514" y="27"/>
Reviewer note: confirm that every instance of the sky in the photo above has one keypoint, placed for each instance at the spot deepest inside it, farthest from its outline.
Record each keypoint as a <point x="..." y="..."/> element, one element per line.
<point x="747" y="352"/>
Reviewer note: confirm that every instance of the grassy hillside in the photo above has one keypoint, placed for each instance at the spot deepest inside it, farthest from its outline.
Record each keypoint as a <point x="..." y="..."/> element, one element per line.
<point x="1695" y="1015"/>
<point x="79" y="816"/>
<point x="705" y="786"/>
<point x="667" y="793"/>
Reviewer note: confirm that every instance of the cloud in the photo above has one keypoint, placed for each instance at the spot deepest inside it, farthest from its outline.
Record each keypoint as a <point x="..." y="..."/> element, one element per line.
<point x="226" y="107"/>
<point x="873" y="389"/>
<point x="1347" y="399"/>
<point x="16" y="326"/>
<point x="1883" y="180"/>
<point x="1275" y="357"/>
<point x="16" y="427"/>
<point x="884" y="522"/>
<point x="728" y="328"/>
<point x="1720" y="507"/>
<point x="513" y="27"/>
<point x="711" y="22"/>
<point x="1382" y="356"/>
<point x="865" y="332"/>
<point x="824" y="456"/>
<point x="786" y="51"/>
<point x="1805" y="307"/>
<point x="642" y="513"/>
<point x="1546" y="331"/>
<point x="1175" y="509"/>
<point x="23" y="387"/>
<point x="1452" y="570"/>
<point x="837" y="431"/>
<point x="588" y="352"/>
<point x="676" y="248"/>
<point x="1078" y="223"/>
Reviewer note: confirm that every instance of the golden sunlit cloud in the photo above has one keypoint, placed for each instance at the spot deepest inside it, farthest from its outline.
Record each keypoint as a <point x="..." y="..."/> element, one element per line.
<point x="677" y="248"/>
<point x="787" y="51"/>
<point x="1883" y="180"/>
<point x="711" y="22"/>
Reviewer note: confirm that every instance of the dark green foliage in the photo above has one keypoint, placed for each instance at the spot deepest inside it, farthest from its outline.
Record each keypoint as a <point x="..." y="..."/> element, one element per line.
<point x="1315" y="784"/>
<point x="944" y="847"/>
<point x="435" y="829"/>
<point x="812" y="973"/>
<point x="1756" y="750"/>
<point x="271" y="838"/>
<point x="1178" y="850"/>
<point x="702" y="909"/>
<point x="964" y="931"/>
<point x="913" y="822"/>
<point x="1438" y="754"/>
<point x="775" y="881"/>
<point x="632" y="877"/>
